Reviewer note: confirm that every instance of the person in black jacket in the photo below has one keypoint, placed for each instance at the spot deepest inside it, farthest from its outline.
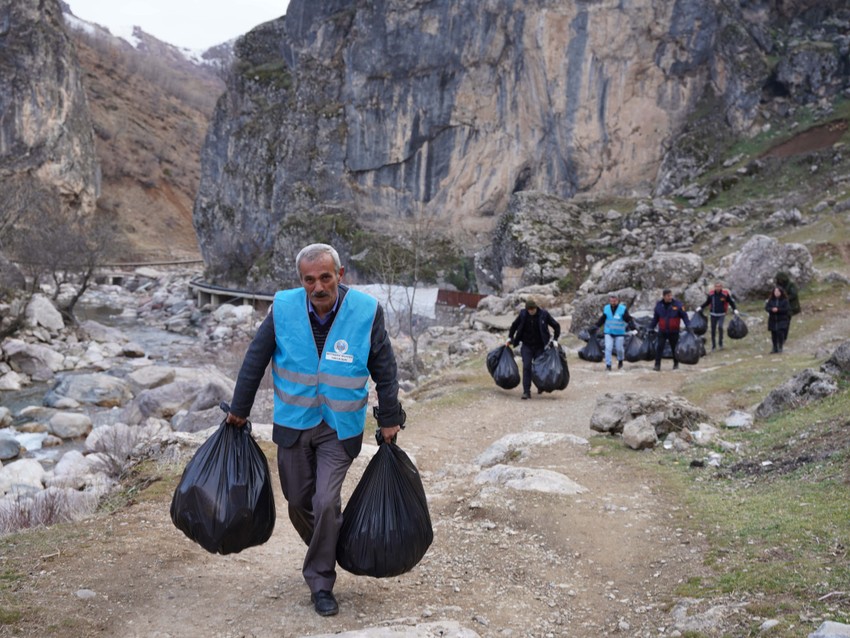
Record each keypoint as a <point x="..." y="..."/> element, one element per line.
<point x="778" y="317"/>
<point x="531" y="328"/>
<point x="718" y="302"/>
<point x="323" y="341"/>
<point x="669" y="312"/>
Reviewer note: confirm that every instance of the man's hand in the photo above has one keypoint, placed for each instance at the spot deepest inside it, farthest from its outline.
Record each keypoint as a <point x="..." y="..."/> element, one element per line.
<point x="735" y="311"/>
<point x="389" y="432"/>
<point x="234" y="420"/>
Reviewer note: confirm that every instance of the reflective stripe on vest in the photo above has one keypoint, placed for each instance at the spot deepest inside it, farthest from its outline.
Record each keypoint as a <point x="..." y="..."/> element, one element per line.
<point x="614" y="323"/>
<point x="333" y="388"/>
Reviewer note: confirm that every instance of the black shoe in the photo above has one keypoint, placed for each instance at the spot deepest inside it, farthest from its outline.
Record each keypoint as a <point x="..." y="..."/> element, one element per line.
<point x="526" y="395"/>
<point x="656" y="367"/>
<point x="539" y="391"/>
<point x="324" y="603"/>
<point x="608" y="368"/>
<point x="676" y="366"/>
<point x="721" y="346"/>
<point x="619" y="365"/>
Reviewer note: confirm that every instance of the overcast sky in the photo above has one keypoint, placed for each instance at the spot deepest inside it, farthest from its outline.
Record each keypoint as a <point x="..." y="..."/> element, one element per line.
<point x="192" y="24"/>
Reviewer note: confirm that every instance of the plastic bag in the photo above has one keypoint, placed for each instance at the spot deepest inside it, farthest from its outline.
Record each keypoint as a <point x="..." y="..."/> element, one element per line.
<point x="633" y="349"/>
<point x="592" y="351"/>
<point x="386" y="528"/>
<point x="502" y="366"/>
<point x="699" y="324"/>
<point x="649" y="346"/>
<point x="737" y="328"/>
<point x="549" y="370"/>
<point x="688" y="348"/>
<point x="224" y="501"/>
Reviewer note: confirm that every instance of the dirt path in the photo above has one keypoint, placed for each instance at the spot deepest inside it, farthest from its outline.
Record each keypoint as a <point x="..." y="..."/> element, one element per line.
<point x="503" y="562"/>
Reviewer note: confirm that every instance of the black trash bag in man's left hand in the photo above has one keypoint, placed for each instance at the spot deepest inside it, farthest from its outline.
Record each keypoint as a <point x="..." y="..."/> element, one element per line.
<point x="224" y="501"/>
<point x="386" y="528"/>
<point x="549" y="369"/>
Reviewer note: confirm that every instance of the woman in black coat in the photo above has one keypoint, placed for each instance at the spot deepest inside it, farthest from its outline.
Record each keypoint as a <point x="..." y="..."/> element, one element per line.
<point x="778" y="317"/>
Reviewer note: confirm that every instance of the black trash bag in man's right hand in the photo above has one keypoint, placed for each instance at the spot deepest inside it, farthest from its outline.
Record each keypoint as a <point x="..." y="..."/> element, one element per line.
<point x="502" y="366"/>
<point x="224" y="501"/>
<point x="386" y="528"/>
<point x="592" y="351"/>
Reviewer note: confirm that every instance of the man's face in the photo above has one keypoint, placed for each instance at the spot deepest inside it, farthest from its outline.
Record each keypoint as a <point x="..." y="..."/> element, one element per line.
<point x="321" y="281"/>
<point x="532" y="311"/>
<point x="613" y="301"/>
<point x="668" y="297"/>
<point x="718" y="287"/>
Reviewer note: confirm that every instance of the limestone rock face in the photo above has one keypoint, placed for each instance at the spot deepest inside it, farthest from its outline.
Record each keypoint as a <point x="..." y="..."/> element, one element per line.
<point x="397" y="109"/>
<point x="46" y="136"/>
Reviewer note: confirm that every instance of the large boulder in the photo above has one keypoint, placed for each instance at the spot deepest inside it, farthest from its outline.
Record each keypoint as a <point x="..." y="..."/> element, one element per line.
<point x="37" y="361"/>
<point x="666" y="414"/>
<point x="99" y="389"/>
<point x="662" y="270"/>
<point x="41" y="312"/>
<point x="839" y="363"/>
<point x="805" y="387"/>
<point x="751" y="271"/>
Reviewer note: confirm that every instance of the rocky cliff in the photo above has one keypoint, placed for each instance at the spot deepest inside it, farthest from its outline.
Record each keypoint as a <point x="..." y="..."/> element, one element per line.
<point x="46" y="140"/>
<point x="395" y="110"/>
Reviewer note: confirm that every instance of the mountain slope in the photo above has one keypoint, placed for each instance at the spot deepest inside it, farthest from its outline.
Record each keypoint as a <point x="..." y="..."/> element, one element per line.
<point x="149" y="108"/>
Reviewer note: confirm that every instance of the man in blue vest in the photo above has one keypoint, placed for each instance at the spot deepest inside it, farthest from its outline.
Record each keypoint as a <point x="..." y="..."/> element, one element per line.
<point x="615" y="317"/>
<point x="323" y="340"/>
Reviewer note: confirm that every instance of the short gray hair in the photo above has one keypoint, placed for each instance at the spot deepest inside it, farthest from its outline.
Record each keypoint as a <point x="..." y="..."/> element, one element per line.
<point x="313" y="252"/>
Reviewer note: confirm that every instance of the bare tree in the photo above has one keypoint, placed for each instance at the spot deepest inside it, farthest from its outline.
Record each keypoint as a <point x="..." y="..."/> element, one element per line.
<point x="22" y="194"/>
<point x="54" y="245"/>
<point x="405" y="266"/>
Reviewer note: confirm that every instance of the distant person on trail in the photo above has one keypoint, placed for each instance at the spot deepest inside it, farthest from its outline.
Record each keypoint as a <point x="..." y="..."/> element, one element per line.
<point x="668" y="314"/>
<point x="616" y="318"/>
<point x="531" y="327"/>
<point x="718" y="302"/>
<point x="778" y="317"/>
<point x="323" y="340"/>
<point x="784" y="281"/>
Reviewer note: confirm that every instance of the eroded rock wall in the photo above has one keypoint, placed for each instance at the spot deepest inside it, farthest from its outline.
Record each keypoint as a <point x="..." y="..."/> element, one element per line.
<point x="45" y="132"/>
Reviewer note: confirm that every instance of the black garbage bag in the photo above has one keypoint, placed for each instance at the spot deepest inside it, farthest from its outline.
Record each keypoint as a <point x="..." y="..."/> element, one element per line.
<point x="502" y="366"/>
<point x="699" y="324"/>
<point x="648" y="347"/>
<point x="386" y="528"/>
<point x="549" y="370"/>
<point x="224" y="501"/>
<point x="634" y="348"/>
<point x="737" y="328"/>
<point x="592" y="351"/>
<point x="688" y="348"/>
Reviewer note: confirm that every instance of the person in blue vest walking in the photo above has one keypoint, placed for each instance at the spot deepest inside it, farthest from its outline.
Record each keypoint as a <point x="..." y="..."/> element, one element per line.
<point x="323" y="341"/>
<point x="616" y="318"/>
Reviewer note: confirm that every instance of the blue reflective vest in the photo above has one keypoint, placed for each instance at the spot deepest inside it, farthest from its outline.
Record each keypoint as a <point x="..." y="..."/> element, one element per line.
<point x="334" y="388"/>
<point x="614" y="323"/>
